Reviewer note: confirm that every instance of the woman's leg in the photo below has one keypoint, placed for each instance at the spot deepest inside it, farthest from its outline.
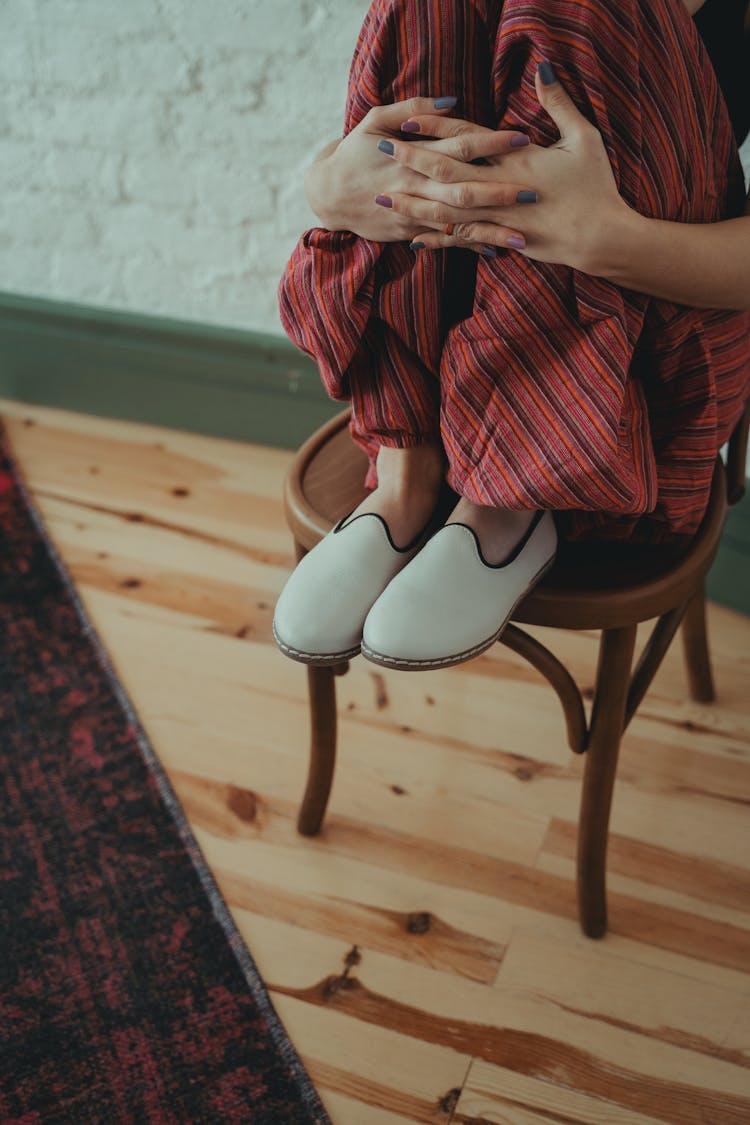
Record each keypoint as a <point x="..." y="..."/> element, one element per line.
<point x="374" y="315"/>
<point x="562" y="391"/>
<point x="554" y="395"/>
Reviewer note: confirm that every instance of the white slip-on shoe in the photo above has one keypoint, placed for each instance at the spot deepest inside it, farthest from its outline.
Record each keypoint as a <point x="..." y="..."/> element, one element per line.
<point x="449" y="604"/>
<point x="321" y="610"/>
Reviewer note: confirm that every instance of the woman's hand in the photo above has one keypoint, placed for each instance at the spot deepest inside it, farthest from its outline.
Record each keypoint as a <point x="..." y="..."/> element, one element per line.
<point x="344" y="181"/>
<point x="577" y="202"/>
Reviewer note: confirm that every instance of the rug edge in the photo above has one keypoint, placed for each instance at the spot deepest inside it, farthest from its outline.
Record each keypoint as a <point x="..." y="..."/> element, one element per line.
<point x="216" y="900"/>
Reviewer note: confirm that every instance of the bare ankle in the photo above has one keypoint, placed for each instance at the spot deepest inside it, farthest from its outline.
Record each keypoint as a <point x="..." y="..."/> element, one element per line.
<point x="498" y="529"/>
<point x="420" y="467"/>
<point x="408" y="490"/>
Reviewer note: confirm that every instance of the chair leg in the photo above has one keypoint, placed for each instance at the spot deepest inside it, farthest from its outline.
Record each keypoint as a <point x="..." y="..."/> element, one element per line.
<point x="321" y="687"/>
<point x="695" y="646"/>
<point x="607" y="722"/>
<point x="323" y="721"/>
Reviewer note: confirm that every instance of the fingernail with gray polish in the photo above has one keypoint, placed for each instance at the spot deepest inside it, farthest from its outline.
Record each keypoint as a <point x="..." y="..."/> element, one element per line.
<point x="526" y="197"/>
<point x="384" y="200"/>
<point x="416" y="245"/>
<point x="516" y="243"/>
<point x="489" y="251"/>
<point x="519" y="140"/>
<point x="547" y="73"/>
<point x="411" y="127"/>
<point x="386" y="146"/>
<point x="445" y="103"/>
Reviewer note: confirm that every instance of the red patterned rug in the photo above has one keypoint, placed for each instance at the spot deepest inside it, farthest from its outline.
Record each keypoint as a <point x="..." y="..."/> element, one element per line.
<point x="126" y="992"/>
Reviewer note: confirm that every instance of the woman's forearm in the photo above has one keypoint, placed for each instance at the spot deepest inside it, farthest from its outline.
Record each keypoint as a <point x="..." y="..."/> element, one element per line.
<point x="702" y="264"/>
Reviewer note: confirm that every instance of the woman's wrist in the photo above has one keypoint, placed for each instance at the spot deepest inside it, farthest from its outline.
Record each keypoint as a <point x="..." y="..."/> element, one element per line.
<point x="318" y="185"/>
<point x="621" y="233"/>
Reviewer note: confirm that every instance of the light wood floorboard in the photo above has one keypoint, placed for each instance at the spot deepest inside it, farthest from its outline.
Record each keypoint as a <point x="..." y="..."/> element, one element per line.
<point x="423" y="951"/>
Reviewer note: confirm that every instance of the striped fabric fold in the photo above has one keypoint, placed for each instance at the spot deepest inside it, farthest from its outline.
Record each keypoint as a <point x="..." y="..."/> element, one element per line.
<point x="548" y="388"/>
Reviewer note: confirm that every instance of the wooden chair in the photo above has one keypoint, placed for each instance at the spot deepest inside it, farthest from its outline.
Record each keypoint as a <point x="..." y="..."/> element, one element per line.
<point x="611" y="588"/>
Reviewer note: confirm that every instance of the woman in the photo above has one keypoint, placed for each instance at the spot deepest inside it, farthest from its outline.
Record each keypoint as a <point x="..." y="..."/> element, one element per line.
<point x="532" y="387"/>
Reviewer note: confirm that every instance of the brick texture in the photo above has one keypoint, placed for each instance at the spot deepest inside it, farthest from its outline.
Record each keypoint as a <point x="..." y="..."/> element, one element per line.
<point x="152" y="152"/>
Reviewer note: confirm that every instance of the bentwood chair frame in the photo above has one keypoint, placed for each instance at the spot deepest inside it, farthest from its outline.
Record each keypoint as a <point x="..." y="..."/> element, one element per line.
<point x="326" y="481"/>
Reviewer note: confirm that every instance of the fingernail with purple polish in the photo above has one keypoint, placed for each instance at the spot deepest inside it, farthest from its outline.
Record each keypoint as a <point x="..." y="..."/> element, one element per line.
<point x="519" y="140"/>
<point x="489" y="251"/>
<point x="416" y="245"/>
<point x="547" y="73"/>
<point x="384" y="200"/>
<point x="526" y="197"/>
<point x="445" y="103"/>
<point x="411" y="127"/>
<point x="516" y="242"/>
<point x="386" y="146"/>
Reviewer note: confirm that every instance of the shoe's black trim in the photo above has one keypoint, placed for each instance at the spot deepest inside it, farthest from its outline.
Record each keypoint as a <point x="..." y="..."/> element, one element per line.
<point x="415" y="542"/>
<point x="516" y="550"/>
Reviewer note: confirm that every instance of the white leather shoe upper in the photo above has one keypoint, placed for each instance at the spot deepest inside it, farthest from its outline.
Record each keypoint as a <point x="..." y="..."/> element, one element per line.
<point x="322" y="608"/>
<point x="448" y="604"/>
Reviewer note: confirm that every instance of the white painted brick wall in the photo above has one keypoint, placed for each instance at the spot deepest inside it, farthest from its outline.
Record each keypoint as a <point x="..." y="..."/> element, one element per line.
<point x="152" y="151"/>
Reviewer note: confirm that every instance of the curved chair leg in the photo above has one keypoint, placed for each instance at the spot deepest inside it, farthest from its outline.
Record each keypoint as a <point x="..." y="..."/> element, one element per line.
<point x="695" y="646"/>
<point x="607" y="723"/>
<point x="323" y="720"/>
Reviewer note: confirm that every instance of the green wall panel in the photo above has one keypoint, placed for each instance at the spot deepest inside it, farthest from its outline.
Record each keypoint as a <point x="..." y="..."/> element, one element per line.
<point x="729" y="579"/>
<point x="245" y="385"/>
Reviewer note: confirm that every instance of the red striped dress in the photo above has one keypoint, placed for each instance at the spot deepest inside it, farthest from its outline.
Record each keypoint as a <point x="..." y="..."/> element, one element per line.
<point x="548" y="388"/>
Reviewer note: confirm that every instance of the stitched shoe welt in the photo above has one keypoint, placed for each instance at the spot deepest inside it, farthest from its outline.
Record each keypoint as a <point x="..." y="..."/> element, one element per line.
<point x="448" y="605"/>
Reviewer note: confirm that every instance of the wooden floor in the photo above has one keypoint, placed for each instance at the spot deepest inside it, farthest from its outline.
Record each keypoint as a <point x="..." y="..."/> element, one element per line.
<point x="424" y="951"/>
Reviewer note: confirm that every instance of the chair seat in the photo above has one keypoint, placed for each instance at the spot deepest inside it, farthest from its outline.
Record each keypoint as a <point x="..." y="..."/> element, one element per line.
<point x="593" y="585"/>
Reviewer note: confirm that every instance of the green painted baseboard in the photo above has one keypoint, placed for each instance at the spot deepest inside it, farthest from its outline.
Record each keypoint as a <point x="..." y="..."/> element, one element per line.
<point x="227" y="382"/>
<point x="231" y="383"/>
<point x="729" y="578"/>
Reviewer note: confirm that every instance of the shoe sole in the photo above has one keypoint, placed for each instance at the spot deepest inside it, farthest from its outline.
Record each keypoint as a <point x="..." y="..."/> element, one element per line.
<point x="457" y="657"/>
<point x="321" y="659"/>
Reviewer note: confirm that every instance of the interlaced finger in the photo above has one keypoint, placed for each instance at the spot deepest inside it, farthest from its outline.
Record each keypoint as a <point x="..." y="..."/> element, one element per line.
<point x="430" y="161"/>
<point x="486" y="238"/>
<point x="468" y="195"/>
<point x="388" y="118"/>
<point x="471" y="138"/>
<point x="462" y="202"/>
